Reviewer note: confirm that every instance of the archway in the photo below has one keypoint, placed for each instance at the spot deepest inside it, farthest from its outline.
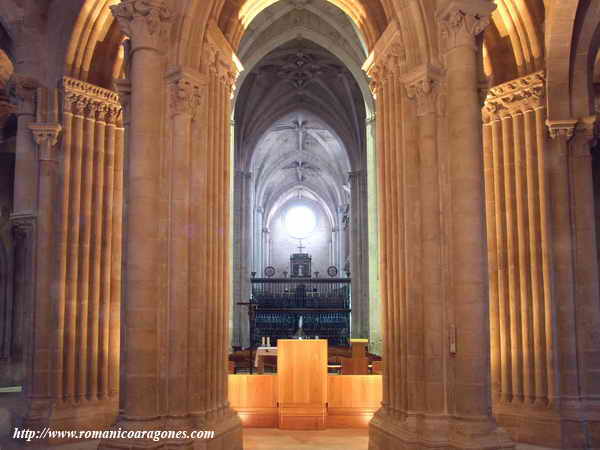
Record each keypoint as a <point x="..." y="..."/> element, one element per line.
<point x="192" y="203"/>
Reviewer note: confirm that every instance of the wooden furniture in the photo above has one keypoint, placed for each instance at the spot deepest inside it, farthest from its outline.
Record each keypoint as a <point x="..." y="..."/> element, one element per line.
<point x="358" y="364"/>
<point x="352" y="399"/>
<point x="254" y="397"/>
<point x="302" y="384"/>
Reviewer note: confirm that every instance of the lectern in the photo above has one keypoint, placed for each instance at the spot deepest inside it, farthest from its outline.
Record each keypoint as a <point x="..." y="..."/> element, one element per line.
<point x="302" y="383"/>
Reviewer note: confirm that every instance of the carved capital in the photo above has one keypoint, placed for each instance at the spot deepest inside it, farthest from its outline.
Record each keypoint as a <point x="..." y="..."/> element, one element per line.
<point x="222" y="63"/>
<point x="185" y="93"/>
<point x="462" y="20"/>
<point x="424" y="93"/>
<point x="424" y="87"/>
<point x="517" y="96"/>
<point x="46" y="137"/>
<point x="561" y="128"/>
<point x="145" y="22"/>
<point x="387" y="59"/>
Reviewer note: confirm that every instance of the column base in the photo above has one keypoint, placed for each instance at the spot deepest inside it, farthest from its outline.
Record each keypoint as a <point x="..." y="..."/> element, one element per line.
<point x="417" y="432"/>
<point x="226" y="426"/>
<point x="575" y="425"/>
<point x="82" y="416"/>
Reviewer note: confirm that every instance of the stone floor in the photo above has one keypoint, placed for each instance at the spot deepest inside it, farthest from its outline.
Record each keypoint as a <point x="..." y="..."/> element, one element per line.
<point x="274" y="439"/>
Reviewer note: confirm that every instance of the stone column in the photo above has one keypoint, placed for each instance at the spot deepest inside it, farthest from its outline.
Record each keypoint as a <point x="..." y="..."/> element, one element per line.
<point x="242" y="255"/>
<point x="423" y="87"/>
<point x="26" y="162"/>
<point x="472" y="426"/>
<point x="23" y="218"/>
<point x="184" y="103"/>
<point x="359" y="254"/>
<point x="576" y="282"/>
<point x="41" y="388"/>
<point x="567" y="387"/>
<point x="210" y="300"/>
<point x="586" y="262"/>
<point x="522" y="308"/>
<point x="145" y="23"/>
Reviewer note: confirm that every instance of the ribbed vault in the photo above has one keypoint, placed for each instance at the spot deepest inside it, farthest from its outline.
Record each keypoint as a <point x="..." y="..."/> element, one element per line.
<point x="300" y="122"/>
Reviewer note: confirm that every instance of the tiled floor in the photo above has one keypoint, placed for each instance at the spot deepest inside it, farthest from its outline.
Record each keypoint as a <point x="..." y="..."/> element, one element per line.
<point x="274" y="439"/>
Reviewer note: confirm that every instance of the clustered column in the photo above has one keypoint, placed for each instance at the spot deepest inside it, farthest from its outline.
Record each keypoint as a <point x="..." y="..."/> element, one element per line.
<point x="210" y="251"/>
<point x="85" y="292"/>
<point x="390" y="161"/>
<point x="521" y="307"/>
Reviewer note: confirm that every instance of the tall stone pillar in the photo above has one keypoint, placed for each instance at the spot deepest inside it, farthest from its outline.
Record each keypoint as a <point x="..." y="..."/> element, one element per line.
<point x="423" y="87"/>
<point x="576" y="282"/>
<point x="359" y="259"/>
<point x="146" y="24"/>
<point x="40" y="389"/>
<point x="242" y="255"/>
<point x="587" y="295"/>
<point x="23" y="218"/>
<point x="469" y="400"/>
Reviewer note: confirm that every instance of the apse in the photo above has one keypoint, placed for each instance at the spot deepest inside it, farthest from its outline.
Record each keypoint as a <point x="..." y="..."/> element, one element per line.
<point x="300" y="155"/>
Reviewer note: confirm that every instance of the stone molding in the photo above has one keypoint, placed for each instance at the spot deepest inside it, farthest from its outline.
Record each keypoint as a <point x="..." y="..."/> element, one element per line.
<point x="517" y="96"/>
<point x="388" y="58"/>
<point x="460" y="22"/>
<point x="145" y="22"/>
<point x="424" y="86"/>
<point x="90" y="101"/>
<point x="46" y="137"/>
<point x="185" y="92"/>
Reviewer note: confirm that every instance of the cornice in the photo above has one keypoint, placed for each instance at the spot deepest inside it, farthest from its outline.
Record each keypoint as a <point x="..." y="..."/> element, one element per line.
<point x="91" y="101"/>
<point x="517" y="96"/>
<point x="74" y="86"/>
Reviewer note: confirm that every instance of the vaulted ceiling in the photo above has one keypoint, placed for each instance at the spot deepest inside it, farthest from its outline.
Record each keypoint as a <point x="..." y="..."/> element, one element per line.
<point x="300" y="124"/>
<point x="300" y="109"/>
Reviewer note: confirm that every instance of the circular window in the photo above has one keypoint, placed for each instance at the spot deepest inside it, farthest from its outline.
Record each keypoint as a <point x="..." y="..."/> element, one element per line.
<point x="300" y="222"/>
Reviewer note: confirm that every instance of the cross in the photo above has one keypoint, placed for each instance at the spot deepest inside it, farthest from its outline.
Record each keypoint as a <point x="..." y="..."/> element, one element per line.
<point x="301" y="247"/>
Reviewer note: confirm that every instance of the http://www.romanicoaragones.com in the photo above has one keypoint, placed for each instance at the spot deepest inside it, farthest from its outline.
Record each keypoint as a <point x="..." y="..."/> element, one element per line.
<point x="153" y="435"/>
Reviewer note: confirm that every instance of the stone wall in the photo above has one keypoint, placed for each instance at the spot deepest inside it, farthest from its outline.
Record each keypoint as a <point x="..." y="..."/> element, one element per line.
<point x="318" y="243"/>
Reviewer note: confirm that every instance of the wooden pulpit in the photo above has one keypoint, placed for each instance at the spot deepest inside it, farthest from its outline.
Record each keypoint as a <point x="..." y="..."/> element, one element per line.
<point x="302" y="384"/>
